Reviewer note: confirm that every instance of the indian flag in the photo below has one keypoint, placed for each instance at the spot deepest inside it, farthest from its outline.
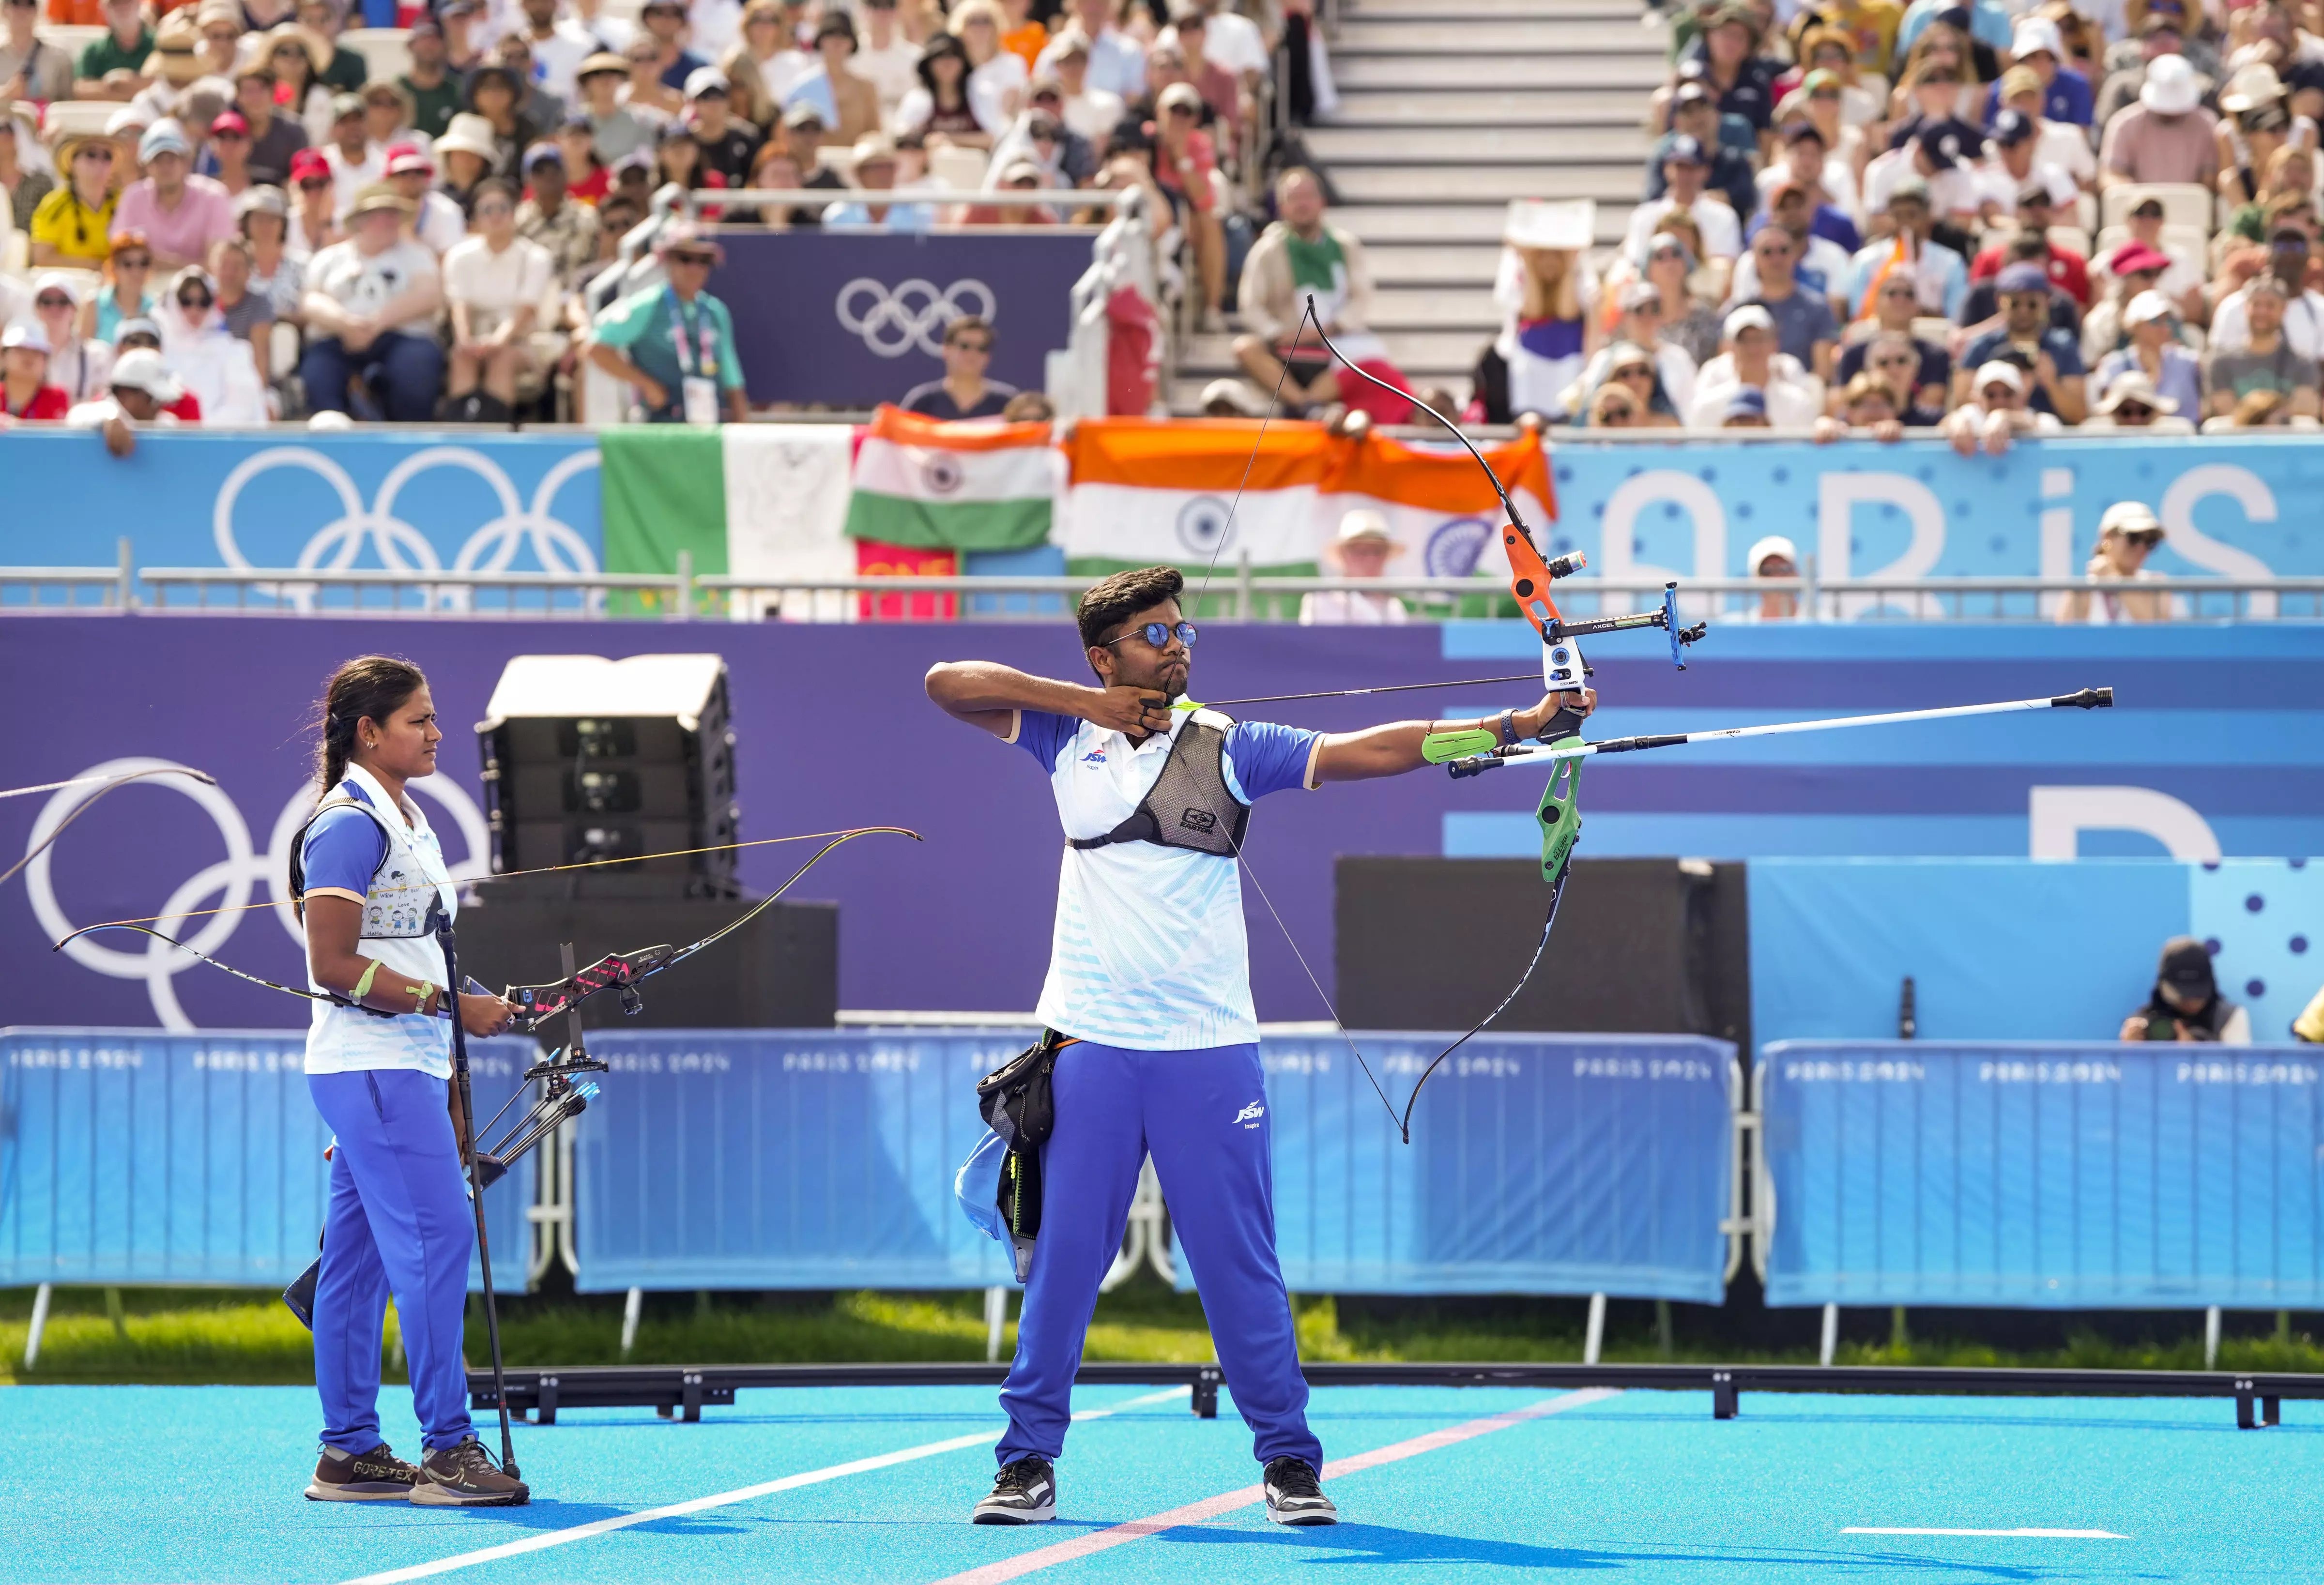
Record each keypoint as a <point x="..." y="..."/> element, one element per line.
<point x="929" y="486"/>
<point x="1440" y="507"/>
<point x="762" y="501"/>
<point x="1192" y="494"/>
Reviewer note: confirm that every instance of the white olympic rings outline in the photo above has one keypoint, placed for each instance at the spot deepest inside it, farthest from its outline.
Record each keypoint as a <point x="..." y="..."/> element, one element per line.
<point x="402" y="548"/>
<point x="894" y="326"/>
<point x="230" y="879"/>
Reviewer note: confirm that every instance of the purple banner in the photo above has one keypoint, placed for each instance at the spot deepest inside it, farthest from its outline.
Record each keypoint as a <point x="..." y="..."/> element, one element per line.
<point x="853" y="318"/>
<point x="832" y="730"/>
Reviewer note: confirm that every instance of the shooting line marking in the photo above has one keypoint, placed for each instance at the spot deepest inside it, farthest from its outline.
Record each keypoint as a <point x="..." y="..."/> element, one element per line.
<point x="728" y="1498"/>
<point x="1227" y="1502"/>
<point x="2035" y="1535"/>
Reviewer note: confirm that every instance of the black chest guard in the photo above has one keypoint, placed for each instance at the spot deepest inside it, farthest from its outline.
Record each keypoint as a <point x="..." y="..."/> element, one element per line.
<point x="1190" y="806"/>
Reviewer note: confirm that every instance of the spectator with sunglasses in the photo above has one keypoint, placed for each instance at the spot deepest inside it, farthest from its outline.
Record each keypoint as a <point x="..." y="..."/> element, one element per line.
<point x="76" y="365"/>
<point x="2132" y="403"/>
<point x="1871" y="408"/>
<point x="219" y="368"/>
<point x="245" y="313"/>
<point x="30" y="68"/>
<point x="674" y="344"/>
<point x="317" y="224"/>
<point x="126" y="294"/>
<point x="2127" y="535"/>
<point x="964" y="392"/>
<point x="225" y="158"/>
<point x="2262" y="356"/>
<point x="72" y="227"/>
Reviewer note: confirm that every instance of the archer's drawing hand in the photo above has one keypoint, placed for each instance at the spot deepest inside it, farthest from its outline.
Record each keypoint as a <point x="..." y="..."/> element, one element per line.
<point x="1132" y="710"/>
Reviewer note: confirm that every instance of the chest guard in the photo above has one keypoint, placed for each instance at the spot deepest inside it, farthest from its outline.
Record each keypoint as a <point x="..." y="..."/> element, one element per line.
<point x="402" y="903"/>
<point x="1189" y="805"/>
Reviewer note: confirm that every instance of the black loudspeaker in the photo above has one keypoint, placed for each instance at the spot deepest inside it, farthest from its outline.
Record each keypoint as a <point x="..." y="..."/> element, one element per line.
<point x="587" y="759"/>
<point x="1644" y="946"/>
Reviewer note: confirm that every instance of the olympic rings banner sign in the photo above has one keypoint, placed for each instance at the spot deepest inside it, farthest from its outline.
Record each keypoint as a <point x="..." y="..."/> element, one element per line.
<point x="418" y="501"/>
<point x="853" y="318"/>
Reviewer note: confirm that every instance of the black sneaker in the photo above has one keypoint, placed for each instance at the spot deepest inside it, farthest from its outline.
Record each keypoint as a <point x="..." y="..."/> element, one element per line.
<point x="377" y="1476"/>
<point x="1025" y="1492"/>
<point x="463" y="1476"/>
<point x="1293" y="1497"/>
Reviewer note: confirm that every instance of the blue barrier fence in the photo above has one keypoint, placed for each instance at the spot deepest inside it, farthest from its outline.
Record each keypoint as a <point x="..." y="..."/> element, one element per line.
<point x="2042" y="1177"/>
<point x="135" y="1157"/>
<point x="809" y="1159"/>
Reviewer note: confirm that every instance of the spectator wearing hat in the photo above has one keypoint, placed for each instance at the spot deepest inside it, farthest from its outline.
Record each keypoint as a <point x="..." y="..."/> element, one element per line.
<point x="2182" y="282"/>
<point x="25" y="394"/>
<point x="76" y="365"/>
<point x="2129" y="269"/>
<point x="802" y="135"/>
<point x="317" y="221"/>
<point x="1092" y="112"/>
<point x="1228" y="97"/>
<point x="2054" y="144"/>
<point x="616" y="130"/>
<point x="2014" y="165"/>
<point x="2167" y="137"/>
<point x="298" y="57"/>
<point x="180" y="214"/>
<point x="567" y="229"/>
<point x="1826" y="181"/>
<point x="1695" y="114"/>
<point x="2288" y="250"/>
<point x="140" y="393"/>
<point x="1867" y="408"/>
<point x="1636" y="367"/>
<point x="1886" y="347"/>
<point x="1939" y="156"/>
<point x="356" y="161"/>
<point x="872" y="167"/>
<point x="263" y="215"/>
<point x="72" y="226"/>
<point x="2129" y="533"/>
<point x="225" y="157"/>
<point x="2255" y="123"/>
<point x="1805" y="329"/>
<point x="1789" y="397"/>
<point x="434" y="90"/>
<point x="468" y="152"/>
<point x="1362" y="548"/>
<point x="495" y="281"/>
<point x="1987" y="22"/>
<point x="1733" y="69"/>
<point x="114" y="67"/>
<point x="30" y="68"/>
<point x="2132" y="402"/>
<point x="2054" y="356"/>
<point x="172" y="70"/>
<point x="674" y="345"/>
<point x="2162" y="32"/>
<point x="1686" y="173"/>
<point x="728" y="146"/>
<point x="534" y="102"/>
<point x="494" y="124"/>
<point x="963" y="391"/>
<point x="2155" y="354"/>
<point x="273" y="139"/>
<point x="1996" y="413"/>
<point x="1772" y="556"/>
<point x="1939" y="275"/>
<point x="943" y="104"/>
<point x="1982" y="311"/>
<point x="2261" y="355"/>
<point x="2066" y="95"/>
<point x="2185" y="1004"/>
<point x="1114" y="61"/>
<point x="127" y="292"/>
<point x="1745" y="407"/>
<point x="371" y="306"/>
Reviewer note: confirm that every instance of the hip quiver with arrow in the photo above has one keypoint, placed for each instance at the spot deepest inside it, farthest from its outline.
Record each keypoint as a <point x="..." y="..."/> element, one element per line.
<point x="1018" y="1105"/>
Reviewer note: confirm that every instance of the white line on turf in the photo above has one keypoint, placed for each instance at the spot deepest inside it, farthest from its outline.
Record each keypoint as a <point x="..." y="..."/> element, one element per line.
<point x="728" y="1498"/>
<point x="1227" y="1502"/>
<point x="2036" y="1534"/>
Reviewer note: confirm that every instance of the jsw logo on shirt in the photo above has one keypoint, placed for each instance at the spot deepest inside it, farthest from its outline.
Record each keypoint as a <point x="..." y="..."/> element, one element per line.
<point x="1094" y="757"/>
<point x="1250" y="1115"/>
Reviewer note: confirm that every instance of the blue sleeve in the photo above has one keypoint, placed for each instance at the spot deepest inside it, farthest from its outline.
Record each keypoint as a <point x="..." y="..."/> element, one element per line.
<point x="1267" y="758"/>
<point x="1045" y="736"/>
<point x="343" y="851"/>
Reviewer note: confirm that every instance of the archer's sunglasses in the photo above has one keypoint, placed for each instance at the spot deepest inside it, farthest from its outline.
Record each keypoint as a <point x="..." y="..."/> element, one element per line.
<point x="1159" y="633"/>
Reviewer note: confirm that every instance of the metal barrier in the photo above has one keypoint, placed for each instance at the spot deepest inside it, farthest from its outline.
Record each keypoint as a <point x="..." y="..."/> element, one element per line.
<point x="2040" y="1176"/>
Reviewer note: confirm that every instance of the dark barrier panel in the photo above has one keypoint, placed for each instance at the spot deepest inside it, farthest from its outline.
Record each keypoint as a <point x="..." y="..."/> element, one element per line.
<point x="851" y="319"/>
<point x="128" y="1156"/>
<point x="2044" y="1176"/>
<point x="795" y="1159"/>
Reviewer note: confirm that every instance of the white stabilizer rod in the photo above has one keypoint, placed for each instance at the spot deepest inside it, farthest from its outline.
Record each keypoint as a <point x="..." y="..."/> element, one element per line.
<point x="2088" y="699"/>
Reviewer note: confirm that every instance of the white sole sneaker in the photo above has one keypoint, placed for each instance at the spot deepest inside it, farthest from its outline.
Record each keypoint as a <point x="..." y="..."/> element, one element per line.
<point x="364" y="1491"/>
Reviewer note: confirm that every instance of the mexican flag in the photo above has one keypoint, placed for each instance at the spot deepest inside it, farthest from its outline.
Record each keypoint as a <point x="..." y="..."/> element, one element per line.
<point x="753" y="500"/>
<point x="1191" y="493"/>
<point x="921" y="483"/>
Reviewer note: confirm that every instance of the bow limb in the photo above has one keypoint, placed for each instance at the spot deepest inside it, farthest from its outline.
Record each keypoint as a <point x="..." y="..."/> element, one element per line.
<point x="213" y="962"/>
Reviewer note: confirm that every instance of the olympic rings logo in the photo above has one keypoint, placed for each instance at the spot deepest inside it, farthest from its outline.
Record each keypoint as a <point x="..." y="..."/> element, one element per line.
<point x="913" y="315"/>
<point x="401" y="546"/>
<point x="229" y="881"/>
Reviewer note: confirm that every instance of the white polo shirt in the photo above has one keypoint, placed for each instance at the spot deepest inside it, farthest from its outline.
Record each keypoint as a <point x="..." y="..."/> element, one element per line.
<point x="1149" y="952"/>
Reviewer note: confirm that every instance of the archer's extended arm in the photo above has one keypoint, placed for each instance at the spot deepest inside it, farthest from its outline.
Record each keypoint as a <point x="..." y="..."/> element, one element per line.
<point x="1394" y="748"/>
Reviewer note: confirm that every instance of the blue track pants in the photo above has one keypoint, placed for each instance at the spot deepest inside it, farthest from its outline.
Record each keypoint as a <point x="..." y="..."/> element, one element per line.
<point x="398" y="1223"/>
<point x="1203" y="1115"/>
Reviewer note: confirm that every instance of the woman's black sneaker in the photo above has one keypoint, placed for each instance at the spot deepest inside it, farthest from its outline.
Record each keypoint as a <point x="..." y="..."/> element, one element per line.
<point x="463" y="1476"/>
<point x="1025" y="1492"/>
<point x="1293" y="1495"/>
<point x="377" y="1476"/>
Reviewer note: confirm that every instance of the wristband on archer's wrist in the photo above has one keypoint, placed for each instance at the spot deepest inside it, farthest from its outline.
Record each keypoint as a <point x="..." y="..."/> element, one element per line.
<point x="420" y="993"/>
<point x="1508" y="727"/>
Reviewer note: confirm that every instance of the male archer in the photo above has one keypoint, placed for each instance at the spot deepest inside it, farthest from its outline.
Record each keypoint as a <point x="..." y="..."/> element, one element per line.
<point x="1150" y="983"/>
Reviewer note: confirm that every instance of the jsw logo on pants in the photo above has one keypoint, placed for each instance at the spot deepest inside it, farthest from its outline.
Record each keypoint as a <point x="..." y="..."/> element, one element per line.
<point x="1250" y="1115"/>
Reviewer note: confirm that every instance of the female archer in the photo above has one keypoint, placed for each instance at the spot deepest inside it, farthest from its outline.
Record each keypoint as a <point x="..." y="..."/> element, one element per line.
<point x="370" y="881"/>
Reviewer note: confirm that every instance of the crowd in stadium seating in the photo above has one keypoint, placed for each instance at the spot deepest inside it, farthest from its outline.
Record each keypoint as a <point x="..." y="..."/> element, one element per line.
<point x="301" y="235"/>
<point x="1987" y="220"/>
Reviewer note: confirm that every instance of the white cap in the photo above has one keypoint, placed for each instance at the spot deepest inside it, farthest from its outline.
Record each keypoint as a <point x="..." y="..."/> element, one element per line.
<point x="128" y="118"/>
<point x="2169" y="88"/>
<point x="1745" y="319"/>
<point x="1365" y="522"/>
<point x="141" y="369"/>
<point x="706" y="79"/>
<point x="1772" y="545"/>
<point x="2147" y="306"/>
<point x="2129" y="517"/>
<point x="2002" y="372"/>
<point x="2038" y="32"/>
<point x="31" y="335"/>
<point x="68" y="281"/>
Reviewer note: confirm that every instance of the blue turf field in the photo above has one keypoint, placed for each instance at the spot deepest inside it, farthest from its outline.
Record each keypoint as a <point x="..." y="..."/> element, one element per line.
<point x="141" y="1483"/>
